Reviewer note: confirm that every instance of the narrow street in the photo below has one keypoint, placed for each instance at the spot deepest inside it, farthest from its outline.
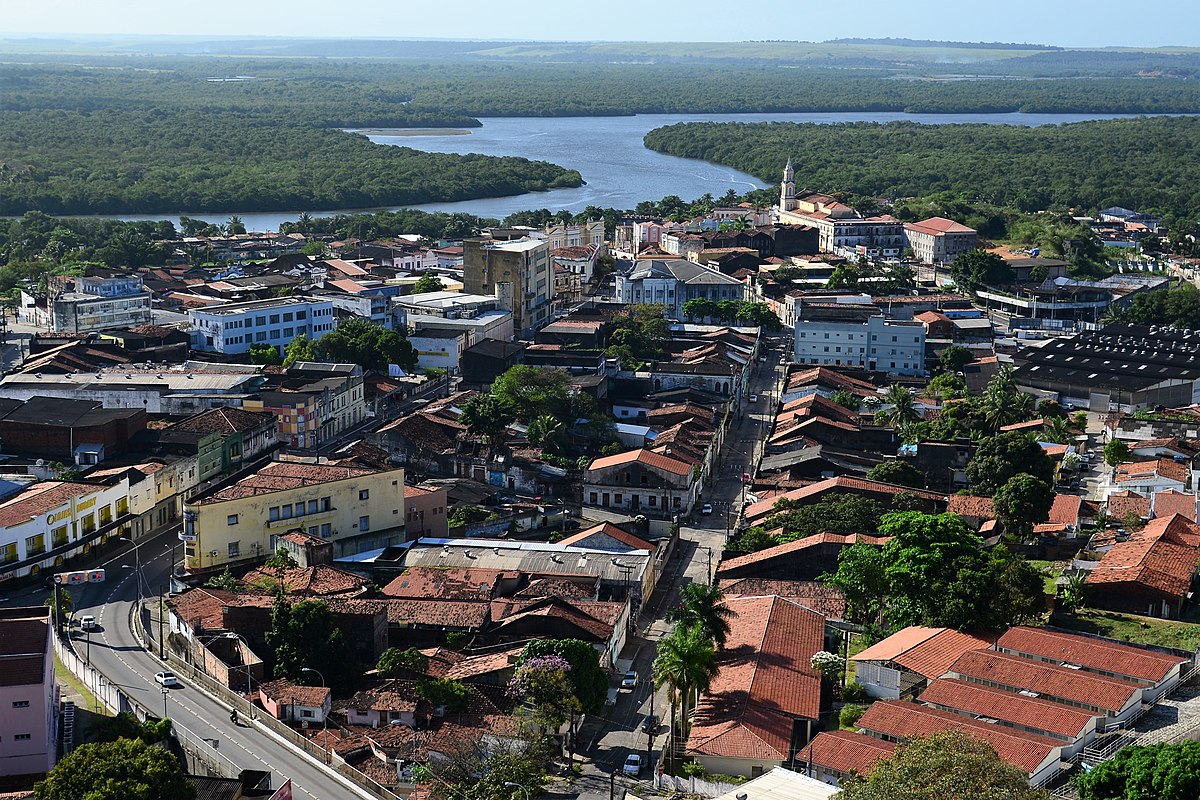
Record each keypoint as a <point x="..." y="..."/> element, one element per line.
<point x="605" y="742"/>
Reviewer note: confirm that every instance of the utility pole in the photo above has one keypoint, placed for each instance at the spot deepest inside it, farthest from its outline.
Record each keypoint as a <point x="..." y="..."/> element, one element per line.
<point x="162" y="612"/>
<point x="650" y="732"/>
<point x="612" y="784"/>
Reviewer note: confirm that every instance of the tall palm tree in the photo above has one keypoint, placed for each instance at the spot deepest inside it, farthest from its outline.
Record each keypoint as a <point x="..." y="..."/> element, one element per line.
<point x="903" y="409"/>
<point x="546" y="432"/>
<point x="703" y="606"/>
<point x="1057" y="430"/>
<point x="686" y="664"/>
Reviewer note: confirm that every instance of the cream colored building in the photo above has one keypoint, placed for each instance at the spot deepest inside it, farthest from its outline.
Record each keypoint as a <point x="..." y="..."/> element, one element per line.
<point x="52" y="521"/>
<point x="353" y="507"/>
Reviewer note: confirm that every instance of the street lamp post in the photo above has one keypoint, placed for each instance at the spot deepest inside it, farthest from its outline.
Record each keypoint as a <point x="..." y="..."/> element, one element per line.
<point x="324" y="720"/>
<point x="137" y="567"/>
<point x="165" y="692"/>
<point x="518" y="786"/>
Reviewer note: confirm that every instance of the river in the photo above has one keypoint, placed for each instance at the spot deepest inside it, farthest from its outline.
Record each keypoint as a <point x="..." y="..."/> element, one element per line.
<point x="619" y="171"/>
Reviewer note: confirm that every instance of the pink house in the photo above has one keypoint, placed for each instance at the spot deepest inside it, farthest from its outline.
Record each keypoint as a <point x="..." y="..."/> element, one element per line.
<point x="284" y="700"/>
<point x="28" y="693"/>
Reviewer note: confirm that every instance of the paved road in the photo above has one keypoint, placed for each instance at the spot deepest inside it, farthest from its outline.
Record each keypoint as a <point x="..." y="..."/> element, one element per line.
<point x="118" y="656"/>
<point x="607" y="741"/>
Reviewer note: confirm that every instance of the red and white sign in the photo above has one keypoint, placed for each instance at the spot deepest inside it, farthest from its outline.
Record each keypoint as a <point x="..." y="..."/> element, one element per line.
<point x="283" y="792"/>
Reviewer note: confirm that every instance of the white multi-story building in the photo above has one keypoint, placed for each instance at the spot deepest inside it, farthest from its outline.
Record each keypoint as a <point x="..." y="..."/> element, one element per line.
<point x="51" y="521"/>
<point x="938" y="240"/>
<point x="842" y="231"/>
<point x="232" y="328"/>
<point x="859" y="337"/>
<point x="97" y="303"/>
<point x="673" y="283"/>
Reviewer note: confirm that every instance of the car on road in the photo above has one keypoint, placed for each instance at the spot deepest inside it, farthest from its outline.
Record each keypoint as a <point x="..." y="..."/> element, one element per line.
<point x="753" y="398"/>
<point x="706" y="509"/>
<point x="633" y="765"/>
<point x="166" y="679"/>
<point x="630" y="679"/>
<point x="88" y="623"/>
<point x="650" y="723"/>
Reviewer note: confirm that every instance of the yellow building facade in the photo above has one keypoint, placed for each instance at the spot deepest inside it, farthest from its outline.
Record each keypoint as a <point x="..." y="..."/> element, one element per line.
<point x="353" y="507"/>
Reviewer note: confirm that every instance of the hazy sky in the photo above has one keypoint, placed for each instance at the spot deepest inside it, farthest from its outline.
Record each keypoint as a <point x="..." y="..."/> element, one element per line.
<point x="1062" y="22"/>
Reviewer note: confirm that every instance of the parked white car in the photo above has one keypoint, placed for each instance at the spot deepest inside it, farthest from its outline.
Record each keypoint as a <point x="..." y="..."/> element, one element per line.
<point x="88" y="623"/>
<point x="633" y="765"/>
<point x="166" y="679"/>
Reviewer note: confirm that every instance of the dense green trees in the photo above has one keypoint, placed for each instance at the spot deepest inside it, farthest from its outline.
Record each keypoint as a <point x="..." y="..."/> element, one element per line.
<point x="487" y="417"/>
<point x="980" y="268"/>
<point x="1138" y="163"/>
<point x="1179" y="307"/>
<point x="1157" y="772"/>
<point x="428" y="283"/>
<point x="359" y="341"/>
<point x="897" y="473"/>
<point x="999" y="458"/>
<point x="122" y="161"/>
<point x="837" y="513"/>
<point x="588" y="678"/>
<point x="126" y="769"/>
<point x="304" y="635"/>
<point x="945" y="766"/>
<point x="1022" y="502"/>
<point x="933" y="571"/>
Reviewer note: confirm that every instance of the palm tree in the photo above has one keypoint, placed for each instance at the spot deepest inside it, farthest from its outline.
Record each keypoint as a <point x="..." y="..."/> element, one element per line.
<point x="546" y="432"/>
<point x="703" y="606"/>
<point x="903" y="409"/>
<point x="1057" y="430"/>
<point x="686" y="664"/>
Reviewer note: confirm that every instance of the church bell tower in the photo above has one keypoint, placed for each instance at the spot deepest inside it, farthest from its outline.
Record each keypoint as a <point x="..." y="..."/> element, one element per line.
<point x="787" y="192"/>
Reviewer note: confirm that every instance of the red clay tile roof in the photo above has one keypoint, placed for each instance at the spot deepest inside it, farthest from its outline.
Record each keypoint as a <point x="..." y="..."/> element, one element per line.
<point x="765" y="681"/>
<point x="904" y="720"/>
<point x="953" y="694"/>
<point x="1167" y="468"/>
<point x="285" y="692"/>
<point x="437" y="613"/>
<point x="486" y="664"/>
<point x="447" y="584"/>
<point x="1122" y="504"/>
<point x="1033" y="424"/>
<point x="846" y="752"/>
<point x="801" y="544"/>
<point x="968" y="505"/>
<point x="925" y="651"/>
<point x="843" y="483"/>
<point x="1089" y="653"/>
<point x="646" y="457"/>
<point x="1052" y="681"/>
<point x="828" y="601"/>
<point x="224" y="420"/>
<point x="608" y="529"/>
<point x="937" y="226"/>
<point x="200" y="607"/>
<point x="596" y="618"/>
<point x="279" y="476"/>
<point x="395" y="694"/>
<point x="1065" y="509"/>
<point x="1162" y="557"/>
<point x="1172" y="501"/>
<point x="319" y="580"/>
<point x="831" y="378"/>
<point x="41" y="498"/>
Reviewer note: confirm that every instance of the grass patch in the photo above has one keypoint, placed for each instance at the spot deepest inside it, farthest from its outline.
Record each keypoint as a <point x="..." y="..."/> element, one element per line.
<point x="1132" y="628"/>
<point x="68" y="679"/>
<point x="1050" y="574"/>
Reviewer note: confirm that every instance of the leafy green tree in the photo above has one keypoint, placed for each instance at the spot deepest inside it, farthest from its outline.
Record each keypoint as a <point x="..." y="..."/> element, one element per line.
<point x="226" y="581"/>
<point x="847" y="399"/>
<point x="61" y="605"/>
<point x="838" y="513"/>
<point x="754" y="539"/>
<point x="945" y="766"/>
<point x="394" y="662"/>
<point x="902" y="407"/>
<point x="125" y="769"/>
<point x="265" y="354"/>
<point x="947" y="386"/>
<point x="544" y="682"/>
<point x="428" y="283"/>
<point x="1155" y="772"/>
<point x="699" y="308"/>
<point x="1022" y="502"/>
<point x="862" y="578"/>
<point x="305" y="635"/>
<point x="897" y="473"/>
<point x="452" y="694"/>
<point x="640" y="333"/>
<point x="359" y="341"/>
<point x="954" y="358"/>
<point x="702" y="606"/>
<point x="531" y="392"/>
<point x="548" y="433"/>
<point x="686" y="663"/>
<point x="470" y="770"/>
<point x="589" y="679"/>
<point x="727" y="310"/>
<point x="126" y="726"/>
<point x="999" y="458"/>
<point x="488" y="417"/>
<point x="1116" y="451"/>
<point x="980" y="268"/>
<point x="1057" y="429"/>
<point x="760" y="315"/>
<point x="299" y="349"/>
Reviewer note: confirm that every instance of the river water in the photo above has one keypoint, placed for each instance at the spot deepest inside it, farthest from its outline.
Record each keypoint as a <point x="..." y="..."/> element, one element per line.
<point x="620" y="172"/>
